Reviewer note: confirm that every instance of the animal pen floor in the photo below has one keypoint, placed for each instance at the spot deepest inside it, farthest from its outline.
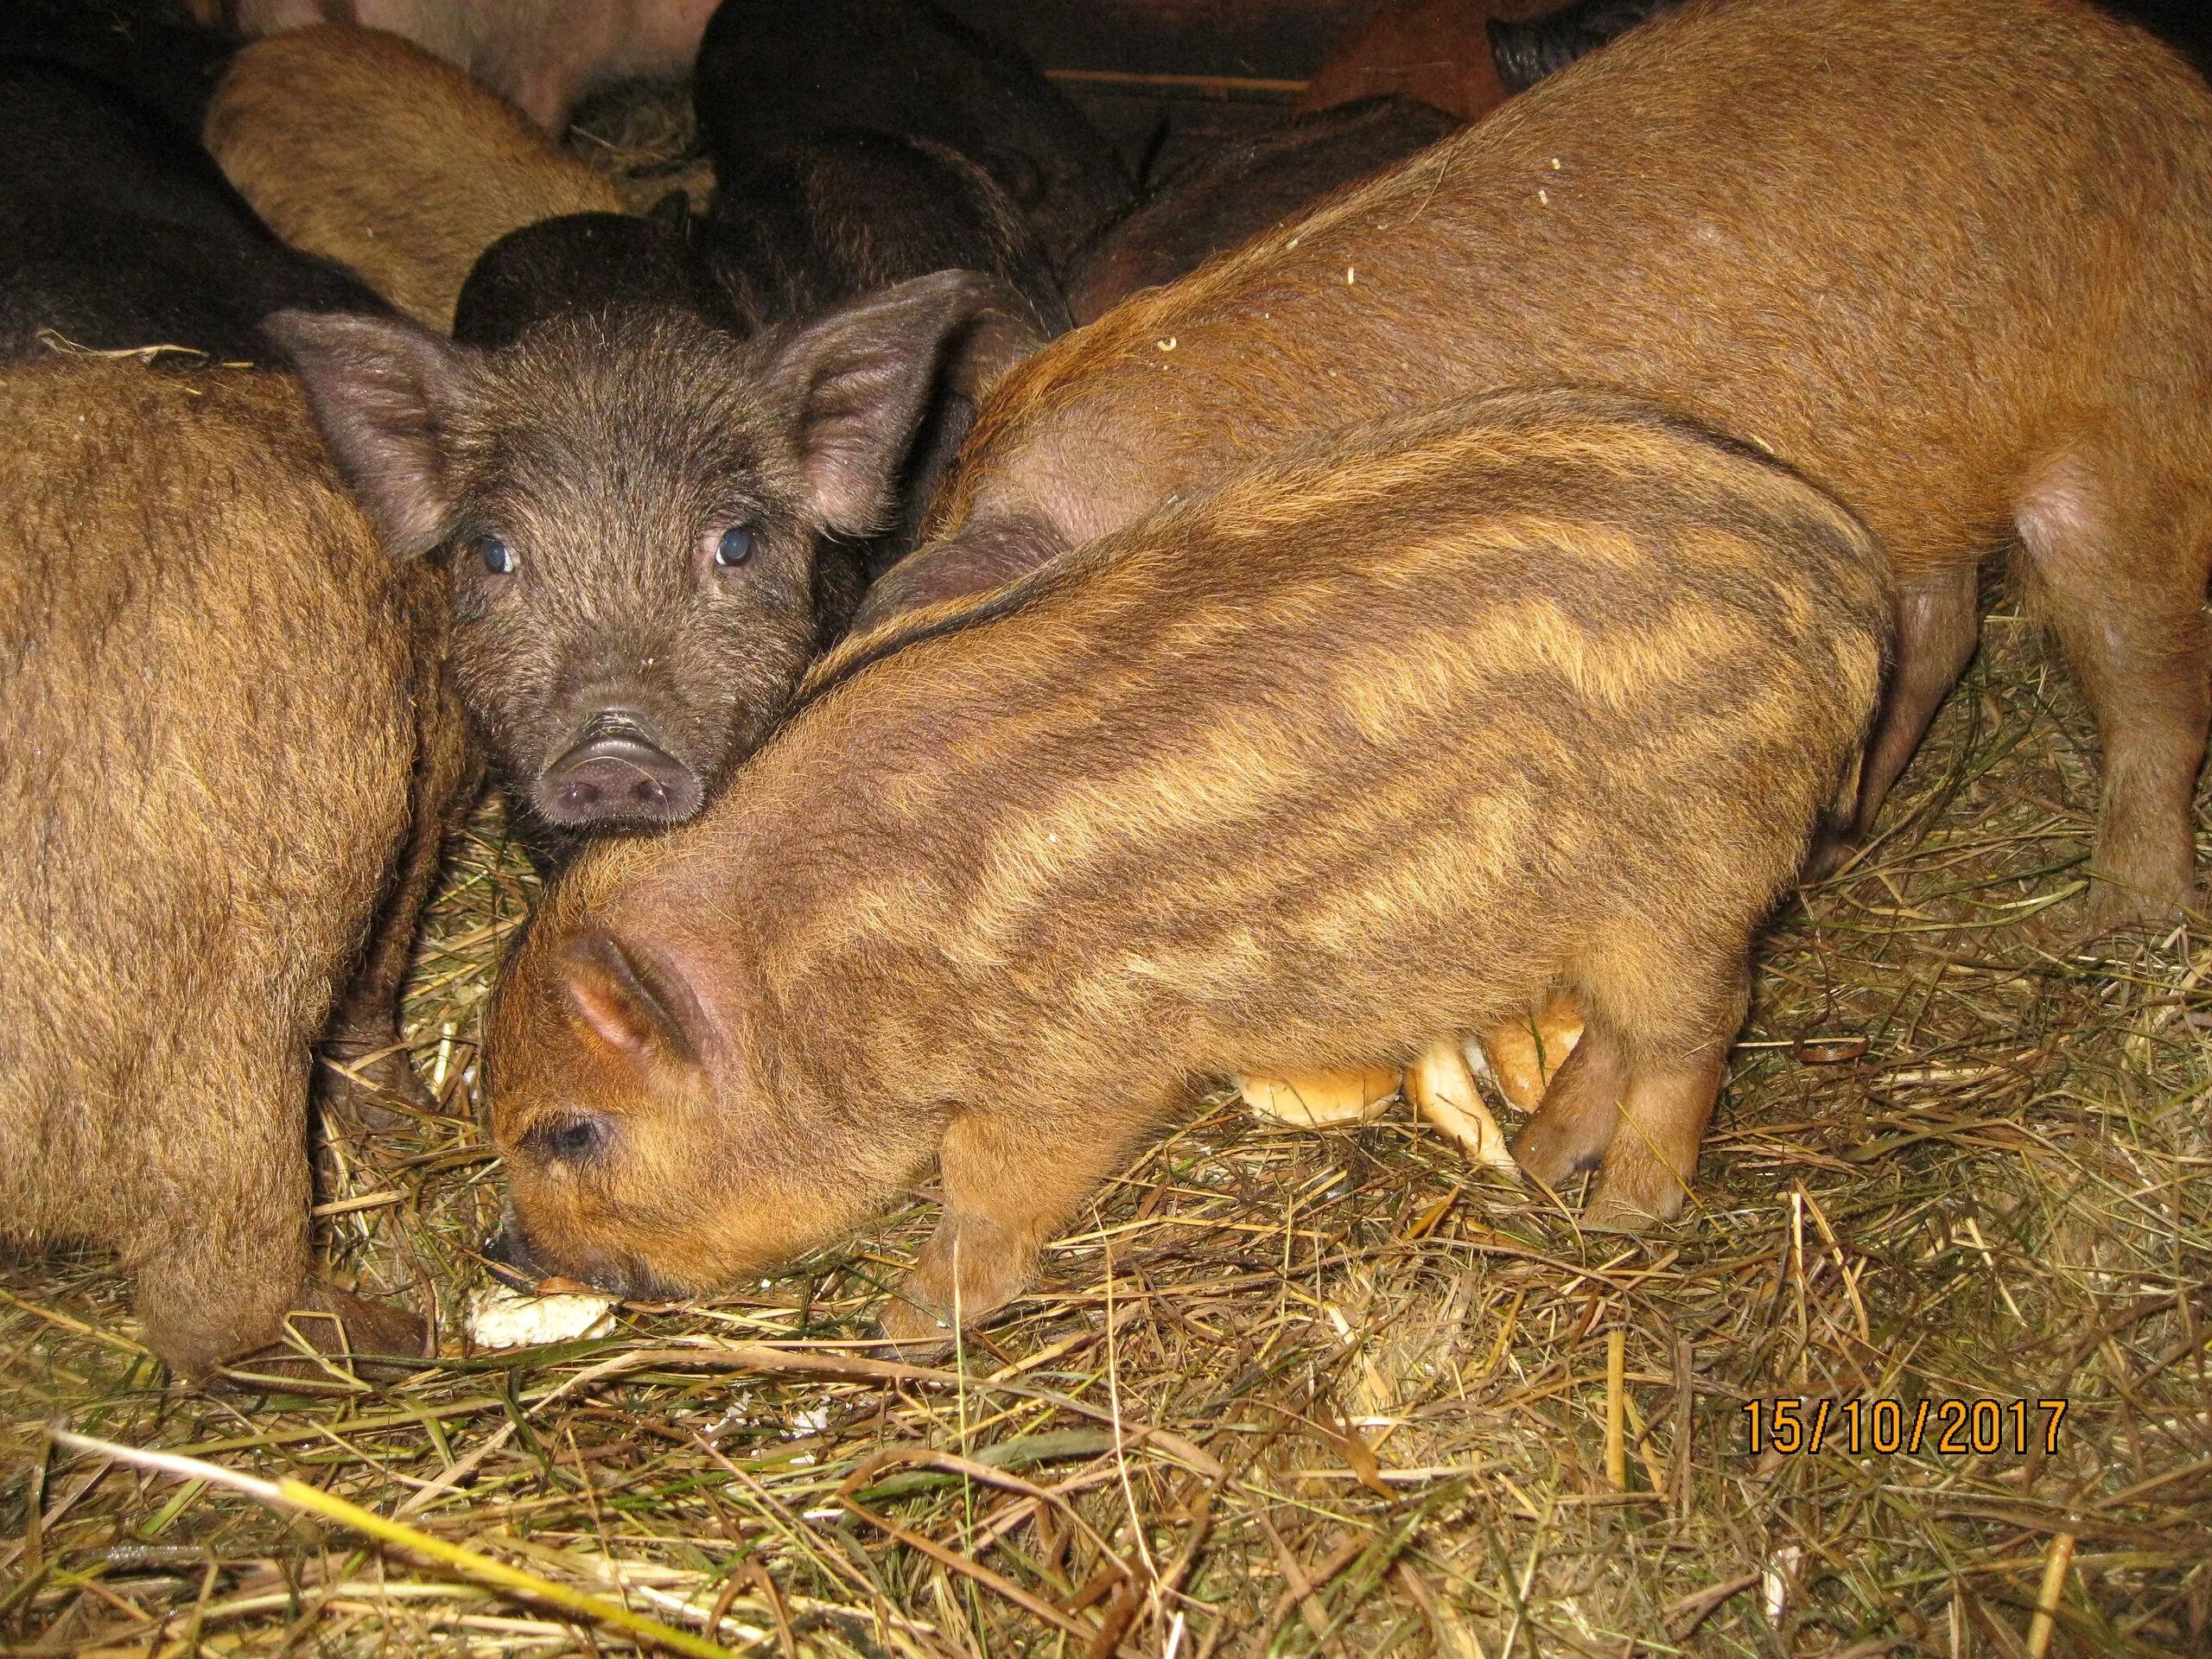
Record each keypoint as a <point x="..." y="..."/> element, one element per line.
<point x="1327" y="1392"/>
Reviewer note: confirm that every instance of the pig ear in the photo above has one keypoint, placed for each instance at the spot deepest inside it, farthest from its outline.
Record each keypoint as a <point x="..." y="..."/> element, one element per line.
<point x="858" y="380"/>
<point x="625" y="1003"/>
<point x="1000" y="335"/>
<point x="382" y="391"/>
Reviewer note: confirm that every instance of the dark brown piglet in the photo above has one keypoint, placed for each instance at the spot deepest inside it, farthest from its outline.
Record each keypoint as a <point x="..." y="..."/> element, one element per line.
<point x="1951" y="259"/>
<point x="630" y="507"/>
<point x="1377" y="743"/>
<point x="225" y="747"/>
<point x="775" y="72"/>
<point x="1233" y="197"/>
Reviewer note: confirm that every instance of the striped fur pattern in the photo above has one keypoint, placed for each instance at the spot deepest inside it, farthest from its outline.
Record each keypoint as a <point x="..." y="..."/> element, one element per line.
<point x="1952" y="259"/>
<point x="1377" y="743"/>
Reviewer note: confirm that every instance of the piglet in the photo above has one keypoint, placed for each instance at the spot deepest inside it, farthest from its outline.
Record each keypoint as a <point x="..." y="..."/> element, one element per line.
<point x="771" y="72"/>
<point x="359" y="147"/>
<point x="1375" y="744"/>
<point x="227" y="755"/>
<point x="628" y="506"/>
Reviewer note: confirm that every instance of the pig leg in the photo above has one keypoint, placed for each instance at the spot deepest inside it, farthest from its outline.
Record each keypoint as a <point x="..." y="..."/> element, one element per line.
<point x="1009" y="1186"/>
<point x="1939" y="623"/>
<point x="363" y="1055"/>
<point x="1649" y="1165"/>
<point x="2126" y="599"/>
<point x="218" y="1279"/>
<point x="1575" y="1124"/>
<point x="1635" y="1098"/>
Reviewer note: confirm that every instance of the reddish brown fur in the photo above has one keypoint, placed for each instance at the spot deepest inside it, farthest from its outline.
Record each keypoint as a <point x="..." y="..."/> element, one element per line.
<point x="1304" y="772"/>
<point x="360" y="147"/>
<point x="222" y="710"/>
<point x="1437" y="51"/>
<point x="1951" y="259"/>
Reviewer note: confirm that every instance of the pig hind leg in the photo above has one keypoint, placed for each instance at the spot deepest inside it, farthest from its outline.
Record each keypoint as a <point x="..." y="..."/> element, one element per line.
<point x="1939" y="623"/>
<point x="229" y="1253"/>
<point x="2123" y="583"/>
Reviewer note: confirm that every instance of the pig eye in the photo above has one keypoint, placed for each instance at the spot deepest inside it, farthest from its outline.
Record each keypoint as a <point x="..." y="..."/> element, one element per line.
<point x="567" y="1139"/>
<point x="734" y="548"/>
<point x="498" y="558"/>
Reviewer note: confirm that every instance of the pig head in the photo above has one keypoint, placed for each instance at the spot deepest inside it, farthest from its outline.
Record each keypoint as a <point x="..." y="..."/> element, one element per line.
<point x="630" y="506"/>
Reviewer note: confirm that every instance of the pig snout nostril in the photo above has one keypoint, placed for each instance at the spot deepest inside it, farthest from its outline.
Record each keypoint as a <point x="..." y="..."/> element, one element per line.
<point x="615" y="774"/>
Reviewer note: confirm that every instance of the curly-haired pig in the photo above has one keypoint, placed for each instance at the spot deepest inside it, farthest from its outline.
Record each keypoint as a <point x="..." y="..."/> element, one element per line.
<point x="359" y="147"/>
<point x="1950" y="258"/>
<point x="1232" y="196"/>
<point x="541" y="54"/>
<point x="629" y="508"/>
<point x="774" y="71"/>
<point x="1377" y="741"/>
<point x="227" y="754"/>
<point x="120" y="233"/>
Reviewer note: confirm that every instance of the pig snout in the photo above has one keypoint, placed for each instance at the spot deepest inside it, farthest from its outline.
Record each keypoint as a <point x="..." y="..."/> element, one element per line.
<point x="618" y="773"/>
<point x="508" y="1253"/>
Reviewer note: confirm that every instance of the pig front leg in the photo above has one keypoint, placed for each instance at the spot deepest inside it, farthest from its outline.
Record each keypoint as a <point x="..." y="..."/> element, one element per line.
<point x="1009" y="1186"/>
<point x="1637" y="1107"/>
<point x="363" y="1058"/>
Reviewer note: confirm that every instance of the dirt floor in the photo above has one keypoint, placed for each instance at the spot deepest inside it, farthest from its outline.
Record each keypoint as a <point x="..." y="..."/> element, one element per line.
<point x="1290" y="1393"/>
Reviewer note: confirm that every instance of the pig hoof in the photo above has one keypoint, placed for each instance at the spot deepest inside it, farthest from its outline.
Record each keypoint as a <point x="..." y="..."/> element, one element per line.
<point x="1635" y="1205"/>
<point x="335" y="1322"/>
<point x="918" y="1332"/>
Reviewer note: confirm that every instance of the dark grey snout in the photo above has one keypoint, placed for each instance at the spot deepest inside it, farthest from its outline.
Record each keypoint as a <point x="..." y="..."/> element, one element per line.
<point x="507" y="1252"/>
<point x="616" y="774"/>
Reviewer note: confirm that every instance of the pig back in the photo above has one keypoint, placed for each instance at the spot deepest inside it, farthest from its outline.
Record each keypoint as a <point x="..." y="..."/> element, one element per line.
<point x="209" y="680"/>
<point x="1913" y="248"/>
<point x="122" y="234"/>
<point x="1412" y="717"/>
<point x="358" y="146"/>
<point x="772" y="71"/>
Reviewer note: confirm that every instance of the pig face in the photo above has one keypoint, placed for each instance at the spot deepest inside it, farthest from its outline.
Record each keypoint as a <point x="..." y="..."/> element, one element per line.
<point x="643" y="1154"/>
<point x="629" y="504"/>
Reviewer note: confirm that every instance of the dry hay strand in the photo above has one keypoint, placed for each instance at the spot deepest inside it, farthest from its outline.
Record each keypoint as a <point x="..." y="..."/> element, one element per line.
<point x="1329" y="1392"/>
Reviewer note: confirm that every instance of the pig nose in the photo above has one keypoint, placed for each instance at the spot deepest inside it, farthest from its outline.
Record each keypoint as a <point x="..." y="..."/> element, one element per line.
<point x="616" y="773"/>
<point x="507" y="1251"/>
